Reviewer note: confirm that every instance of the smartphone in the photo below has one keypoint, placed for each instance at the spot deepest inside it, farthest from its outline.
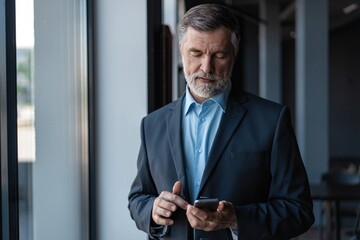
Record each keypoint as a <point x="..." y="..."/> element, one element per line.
<point x="209" y="204"/>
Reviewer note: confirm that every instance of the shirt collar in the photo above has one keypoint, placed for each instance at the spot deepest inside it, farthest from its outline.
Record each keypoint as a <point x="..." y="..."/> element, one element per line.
<point x="220" y="99"/>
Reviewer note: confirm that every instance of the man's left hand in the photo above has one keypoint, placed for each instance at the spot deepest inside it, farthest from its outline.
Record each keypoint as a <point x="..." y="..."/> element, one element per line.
<point x="223" y="217"/>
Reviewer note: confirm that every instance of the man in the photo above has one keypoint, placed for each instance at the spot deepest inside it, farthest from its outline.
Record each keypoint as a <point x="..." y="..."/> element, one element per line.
<point x="214" y="143"/>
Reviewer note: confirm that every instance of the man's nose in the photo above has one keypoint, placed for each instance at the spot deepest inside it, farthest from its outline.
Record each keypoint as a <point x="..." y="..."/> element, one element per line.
<point x="207" y="65"/>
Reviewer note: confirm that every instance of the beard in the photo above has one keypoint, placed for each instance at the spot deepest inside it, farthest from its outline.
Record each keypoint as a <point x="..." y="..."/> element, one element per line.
<point x="206" y="90"/>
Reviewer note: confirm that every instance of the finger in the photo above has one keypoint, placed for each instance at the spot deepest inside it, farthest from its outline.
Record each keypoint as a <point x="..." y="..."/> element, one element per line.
<point x="198" y="222"/>
<point x="221" y="206"/>
<point x="172" y="201"/>
<point x="228" y="214"/>
<point x="161" y="215"/>
<point x="177" y="191"/>
<point x="162" y="221"/>
<point x="177" y="188"/>
<point x="224" y="217"/>
<point x="164" y="201"/>
<point x="192" y="218"/>
<point x="203" y="214"/>
<point x="180" y="202"/>
<point x="162" y="212"/>
<point x="225" y="207"/>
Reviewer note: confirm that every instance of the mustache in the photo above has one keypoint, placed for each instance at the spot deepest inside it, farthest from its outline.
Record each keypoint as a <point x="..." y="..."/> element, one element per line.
<point x="209" y="76"/>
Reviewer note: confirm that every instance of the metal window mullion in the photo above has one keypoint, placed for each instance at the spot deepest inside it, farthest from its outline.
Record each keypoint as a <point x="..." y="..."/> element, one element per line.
<point x="90" y="4"/>
<point x="8" y="129"/>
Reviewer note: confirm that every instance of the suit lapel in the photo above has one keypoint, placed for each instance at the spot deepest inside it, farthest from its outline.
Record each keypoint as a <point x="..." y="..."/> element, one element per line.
<point x="229" y="122"/>
<point x="173" y="123"/>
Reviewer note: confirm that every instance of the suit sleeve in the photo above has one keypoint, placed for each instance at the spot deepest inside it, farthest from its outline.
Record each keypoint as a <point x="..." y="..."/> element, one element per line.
<point x="288" y="211"/>
<point x="143" y="193"/>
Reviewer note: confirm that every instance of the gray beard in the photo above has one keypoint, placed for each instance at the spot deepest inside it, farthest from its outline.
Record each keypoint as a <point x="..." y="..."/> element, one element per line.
<point x="206" y="90"/>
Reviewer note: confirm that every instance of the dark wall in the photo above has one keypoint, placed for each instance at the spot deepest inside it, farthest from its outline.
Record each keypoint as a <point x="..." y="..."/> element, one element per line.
<point x="250" y="53"/>
<point x="246" y="70"/>
<point x="288" y="74"/>
<point x="344" y="90"/>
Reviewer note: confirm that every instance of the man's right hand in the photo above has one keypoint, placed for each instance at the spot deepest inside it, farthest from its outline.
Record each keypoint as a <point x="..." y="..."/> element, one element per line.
<point x="166" y="204"/>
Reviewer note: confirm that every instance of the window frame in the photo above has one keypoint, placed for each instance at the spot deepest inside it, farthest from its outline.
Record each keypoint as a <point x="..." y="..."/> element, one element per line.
<point x="8" y="110"/>
<point x="9" y="200"/>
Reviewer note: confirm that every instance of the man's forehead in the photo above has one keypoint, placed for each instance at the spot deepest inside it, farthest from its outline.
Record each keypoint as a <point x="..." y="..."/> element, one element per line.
<point x="220" y="37"/>
<point x="220" y="30"/>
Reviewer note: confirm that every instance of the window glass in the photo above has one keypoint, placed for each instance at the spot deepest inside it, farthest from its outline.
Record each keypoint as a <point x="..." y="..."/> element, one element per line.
<point x="25" y="79"/>
<point x="52" y="119"/>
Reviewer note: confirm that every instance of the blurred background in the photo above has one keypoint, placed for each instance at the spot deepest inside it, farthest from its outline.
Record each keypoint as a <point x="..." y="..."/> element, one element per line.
<point x="87" y="71"/>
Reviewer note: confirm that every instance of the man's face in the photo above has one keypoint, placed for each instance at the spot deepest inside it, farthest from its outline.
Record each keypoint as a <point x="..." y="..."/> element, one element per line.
<point x="208" y="59"/>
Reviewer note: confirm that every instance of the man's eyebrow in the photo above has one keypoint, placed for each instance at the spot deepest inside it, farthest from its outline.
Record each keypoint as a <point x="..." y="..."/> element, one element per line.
<point x="221" y="51"/>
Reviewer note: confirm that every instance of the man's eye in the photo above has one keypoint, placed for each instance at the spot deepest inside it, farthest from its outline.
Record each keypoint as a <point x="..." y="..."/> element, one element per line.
<point x="220" y="55"/>
<point x="195" y="54"/>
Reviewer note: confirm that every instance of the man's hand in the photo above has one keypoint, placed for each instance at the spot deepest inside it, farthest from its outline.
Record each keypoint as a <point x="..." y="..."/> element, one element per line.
<point x="224" y="217"/>
<point x="166" y="204"/>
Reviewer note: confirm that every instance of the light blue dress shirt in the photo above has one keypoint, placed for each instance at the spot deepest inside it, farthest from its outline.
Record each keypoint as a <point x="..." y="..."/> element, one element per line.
<point x="199" y="126"/>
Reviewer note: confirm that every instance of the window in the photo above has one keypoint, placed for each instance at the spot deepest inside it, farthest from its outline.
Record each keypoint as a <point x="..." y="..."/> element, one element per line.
<point x="48" y="148"/>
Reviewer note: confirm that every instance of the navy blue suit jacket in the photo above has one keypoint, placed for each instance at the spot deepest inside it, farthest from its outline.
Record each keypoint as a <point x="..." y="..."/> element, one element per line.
<point x="254" y="163"/>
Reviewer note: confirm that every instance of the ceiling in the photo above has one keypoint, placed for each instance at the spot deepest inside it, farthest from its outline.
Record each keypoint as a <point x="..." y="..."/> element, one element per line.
<point x="249" y="11"/>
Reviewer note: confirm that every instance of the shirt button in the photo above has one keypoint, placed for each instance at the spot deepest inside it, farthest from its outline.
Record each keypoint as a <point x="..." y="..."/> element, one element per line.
<point x="203" y="119"/>
<point x="200" y="151"/>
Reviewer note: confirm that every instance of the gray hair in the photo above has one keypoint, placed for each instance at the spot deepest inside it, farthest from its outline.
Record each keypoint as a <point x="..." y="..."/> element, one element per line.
<point x="208" y="18"/>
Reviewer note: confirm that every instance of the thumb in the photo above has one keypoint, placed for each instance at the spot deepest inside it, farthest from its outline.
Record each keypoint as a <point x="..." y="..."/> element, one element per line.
<point x="177" y="188"/>
<point x="221" y="206"/>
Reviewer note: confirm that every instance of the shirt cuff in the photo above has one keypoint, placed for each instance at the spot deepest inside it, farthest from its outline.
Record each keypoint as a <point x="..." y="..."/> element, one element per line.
<point x="234" y="233"/>
<point x="158" y="232"/>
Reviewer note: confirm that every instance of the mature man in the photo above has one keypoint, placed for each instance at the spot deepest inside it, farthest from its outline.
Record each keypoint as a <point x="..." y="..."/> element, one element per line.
<point x="215" y="143"/>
